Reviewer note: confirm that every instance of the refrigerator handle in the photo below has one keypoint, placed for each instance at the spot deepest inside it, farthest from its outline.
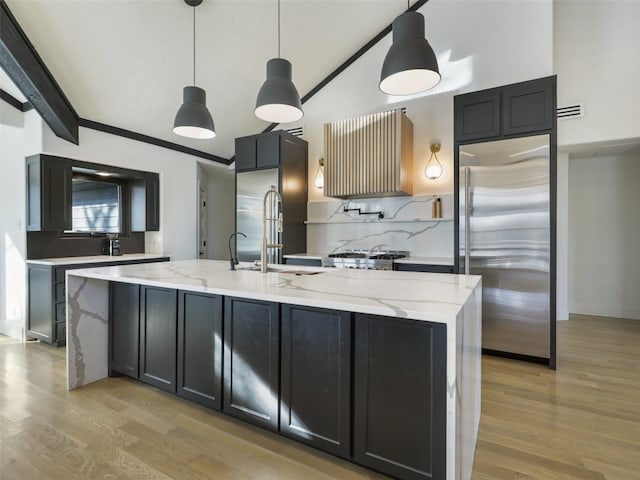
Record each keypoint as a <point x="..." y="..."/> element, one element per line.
<point x="467" y="220"/>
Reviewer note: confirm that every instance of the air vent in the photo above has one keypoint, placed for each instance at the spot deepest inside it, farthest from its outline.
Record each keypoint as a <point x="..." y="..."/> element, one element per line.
<point x="296" y="132"/>
<point x="570" y="111"/>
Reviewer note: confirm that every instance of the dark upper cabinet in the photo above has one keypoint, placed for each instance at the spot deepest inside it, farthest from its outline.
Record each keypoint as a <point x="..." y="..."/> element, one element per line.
<point x="124" y="328"/>
<point x="49" y="193"/>
<point x="152" y="204"/>
<point x="246" y="151"/>
<point x="477" y="115"/>
<point x="200" y="348"/>
<point x="400" y="395"/>
<point x="516" y="109"/>
<point x="528" y="107"/>
<point x="145" y="203"/>
<point x="158" y="337"/>
<point x="267" y="150"/>
<point x="315" y="402"/>
<point x="251" y="360"/>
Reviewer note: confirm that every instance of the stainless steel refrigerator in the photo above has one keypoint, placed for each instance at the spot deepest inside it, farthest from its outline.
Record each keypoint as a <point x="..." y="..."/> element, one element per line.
<point x="505" y="235"/>
<point x="250" y="190"/>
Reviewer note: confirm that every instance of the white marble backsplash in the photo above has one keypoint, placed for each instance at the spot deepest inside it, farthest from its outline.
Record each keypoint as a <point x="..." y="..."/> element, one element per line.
<point x="407" y="225"/>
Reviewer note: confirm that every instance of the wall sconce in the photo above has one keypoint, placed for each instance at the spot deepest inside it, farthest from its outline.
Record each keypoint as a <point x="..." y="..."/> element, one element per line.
<point x="319" y="178"/>
<point x="433" y="170"/>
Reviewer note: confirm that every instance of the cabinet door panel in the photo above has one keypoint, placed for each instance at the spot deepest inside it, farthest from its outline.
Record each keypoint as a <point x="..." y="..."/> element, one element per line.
<point x="152" y="208"/>
<point x="528" y="107"/>
<point x="400" y="397"/>
<point x="246" y="153"/>
<point x="316" y="377"/>
<point x="251" y="360"/>
<point x="200" y="348"/>
<point x="40" y="303"/>
<point x="477" y="115"/>
<point x="158" y="337"/>
<point x="124" y="328"/>
<point x="56" y="199"/>
<point x="268" y="151"/>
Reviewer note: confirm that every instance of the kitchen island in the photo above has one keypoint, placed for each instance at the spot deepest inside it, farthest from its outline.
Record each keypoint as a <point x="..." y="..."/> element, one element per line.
<point x="381" y="368"/>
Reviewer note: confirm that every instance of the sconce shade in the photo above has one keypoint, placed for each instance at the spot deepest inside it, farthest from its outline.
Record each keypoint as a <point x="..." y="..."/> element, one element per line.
<point x="433" y="169"/>
<point x="193" y="119"/>
<point x="278" y="100"/>
<point x="318" y="180"/>
<point x="410" y="65"/>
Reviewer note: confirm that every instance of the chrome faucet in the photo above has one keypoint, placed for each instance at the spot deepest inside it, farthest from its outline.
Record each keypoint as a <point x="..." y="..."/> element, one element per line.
<point x="277" y="221"/>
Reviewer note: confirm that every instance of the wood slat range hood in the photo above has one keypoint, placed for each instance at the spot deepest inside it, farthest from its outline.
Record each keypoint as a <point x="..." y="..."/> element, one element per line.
<point x="369" y="156"/>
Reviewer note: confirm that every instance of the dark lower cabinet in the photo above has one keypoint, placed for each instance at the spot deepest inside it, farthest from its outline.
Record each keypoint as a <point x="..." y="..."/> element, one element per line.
<point x="124" y="328"/>
<point x="422" y="267"/>
<point x="400" y="397"/>
<point x="251" y="360"/>
<point x="315" y="402"/>
<point x="158" y="337"/>
<point x="200" y="348"/>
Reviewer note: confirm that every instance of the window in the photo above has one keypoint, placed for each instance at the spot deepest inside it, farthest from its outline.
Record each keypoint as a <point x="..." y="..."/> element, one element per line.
<point x="96" y="205"/>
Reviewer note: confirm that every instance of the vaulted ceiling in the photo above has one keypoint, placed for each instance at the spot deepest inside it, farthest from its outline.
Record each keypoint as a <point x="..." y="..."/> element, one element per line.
<point x="124" y="62"/>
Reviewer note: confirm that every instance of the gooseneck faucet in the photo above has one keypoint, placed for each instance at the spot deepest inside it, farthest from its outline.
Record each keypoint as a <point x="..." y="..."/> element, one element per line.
<point x="277" y="221"/>
<point x="234" y="261"/>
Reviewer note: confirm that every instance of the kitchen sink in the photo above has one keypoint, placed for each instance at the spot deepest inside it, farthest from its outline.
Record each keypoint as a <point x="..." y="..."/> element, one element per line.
<point x="256" y="268"/>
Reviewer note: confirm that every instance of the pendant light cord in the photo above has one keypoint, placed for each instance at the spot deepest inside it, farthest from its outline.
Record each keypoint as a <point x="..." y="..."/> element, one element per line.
<point x="194" y="46"/>
<point x="278" y="28"/>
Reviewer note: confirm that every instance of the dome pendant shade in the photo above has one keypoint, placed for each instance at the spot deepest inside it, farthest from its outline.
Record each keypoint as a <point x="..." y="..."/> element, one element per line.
<point x="278" y="100"/>
<point x="410" y="65"/>
<point x="193" y="119"/>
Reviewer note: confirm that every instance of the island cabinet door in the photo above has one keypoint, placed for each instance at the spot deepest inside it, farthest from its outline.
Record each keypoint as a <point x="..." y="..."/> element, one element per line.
<point x="251" y="360"/>
<point x="124" y="327"/>
<point x="315" y="400"/>
<point x="400" y="393"/>
<point x="200" y="348"/>
<point x="158" y="327"/>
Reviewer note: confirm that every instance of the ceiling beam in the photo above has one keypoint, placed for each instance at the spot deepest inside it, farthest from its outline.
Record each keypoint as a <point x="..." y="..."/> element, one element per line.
<point x="26" y="69"/>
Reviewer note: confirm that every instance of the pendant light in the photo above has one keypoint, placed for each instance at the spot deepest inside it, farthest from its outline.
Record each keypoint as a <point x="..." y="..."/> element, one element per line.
<point x="278" y="100"/>
<point x="433" y="169"/>
<point x="410" y="65"/>
<point x="193" y="120"/>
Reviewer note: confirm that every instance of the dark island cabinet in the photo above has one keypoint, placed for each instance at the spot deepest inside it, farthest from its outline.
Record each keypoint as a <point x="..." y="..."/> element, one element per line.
<point x="200" y="348"/>
<point x="251" y="360"/>
<point x="315" y="403"/>
<point x="158" y="337"/>
<point x="400" y="393"/>
<point x="124" y="328"/>
<point x="510" y="110"/>
<point x="49" y="193"/>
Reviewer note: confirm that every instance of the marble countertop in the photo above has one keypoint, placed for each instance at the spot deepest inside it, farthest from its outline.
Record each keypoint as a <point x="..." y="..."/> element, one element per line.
<point x="127" y="257"/>
<point x="420" y="296"/>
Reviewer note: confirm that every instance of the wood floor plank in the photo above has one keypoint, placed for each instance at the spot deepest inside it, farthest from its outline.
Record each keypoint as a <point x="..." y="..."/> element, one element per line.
<point x="581" y="422"/>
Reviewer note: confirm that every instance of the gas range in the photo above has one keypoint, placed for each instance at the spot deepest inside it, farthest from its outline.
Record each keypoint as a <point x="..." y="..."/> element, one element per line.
<point x="364" y="259"/>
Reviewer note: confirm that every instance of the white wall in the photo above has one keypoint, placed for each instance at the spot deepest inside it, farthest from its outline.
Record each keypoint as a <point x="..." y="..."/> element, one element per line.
<point x="221" y="219"/>
<point x="178" y="183"/>
<point x="562" y="238"/>
<point x="604" y="234"/>
<point x="596" y="60"/>
<point x="20" y="135"/>
<point x="479" y="45"/>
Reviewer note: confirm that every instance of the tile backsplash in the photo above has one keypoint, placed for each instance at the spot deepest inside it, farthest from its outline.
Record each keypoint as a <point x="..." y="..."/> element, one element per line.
<point x="407" y="225"/>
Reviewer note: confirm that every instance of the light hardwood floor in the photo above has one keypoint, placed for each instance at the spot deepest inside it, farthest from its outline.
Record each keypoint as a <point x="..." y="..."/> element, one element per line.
<point x="579" y="422"/>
